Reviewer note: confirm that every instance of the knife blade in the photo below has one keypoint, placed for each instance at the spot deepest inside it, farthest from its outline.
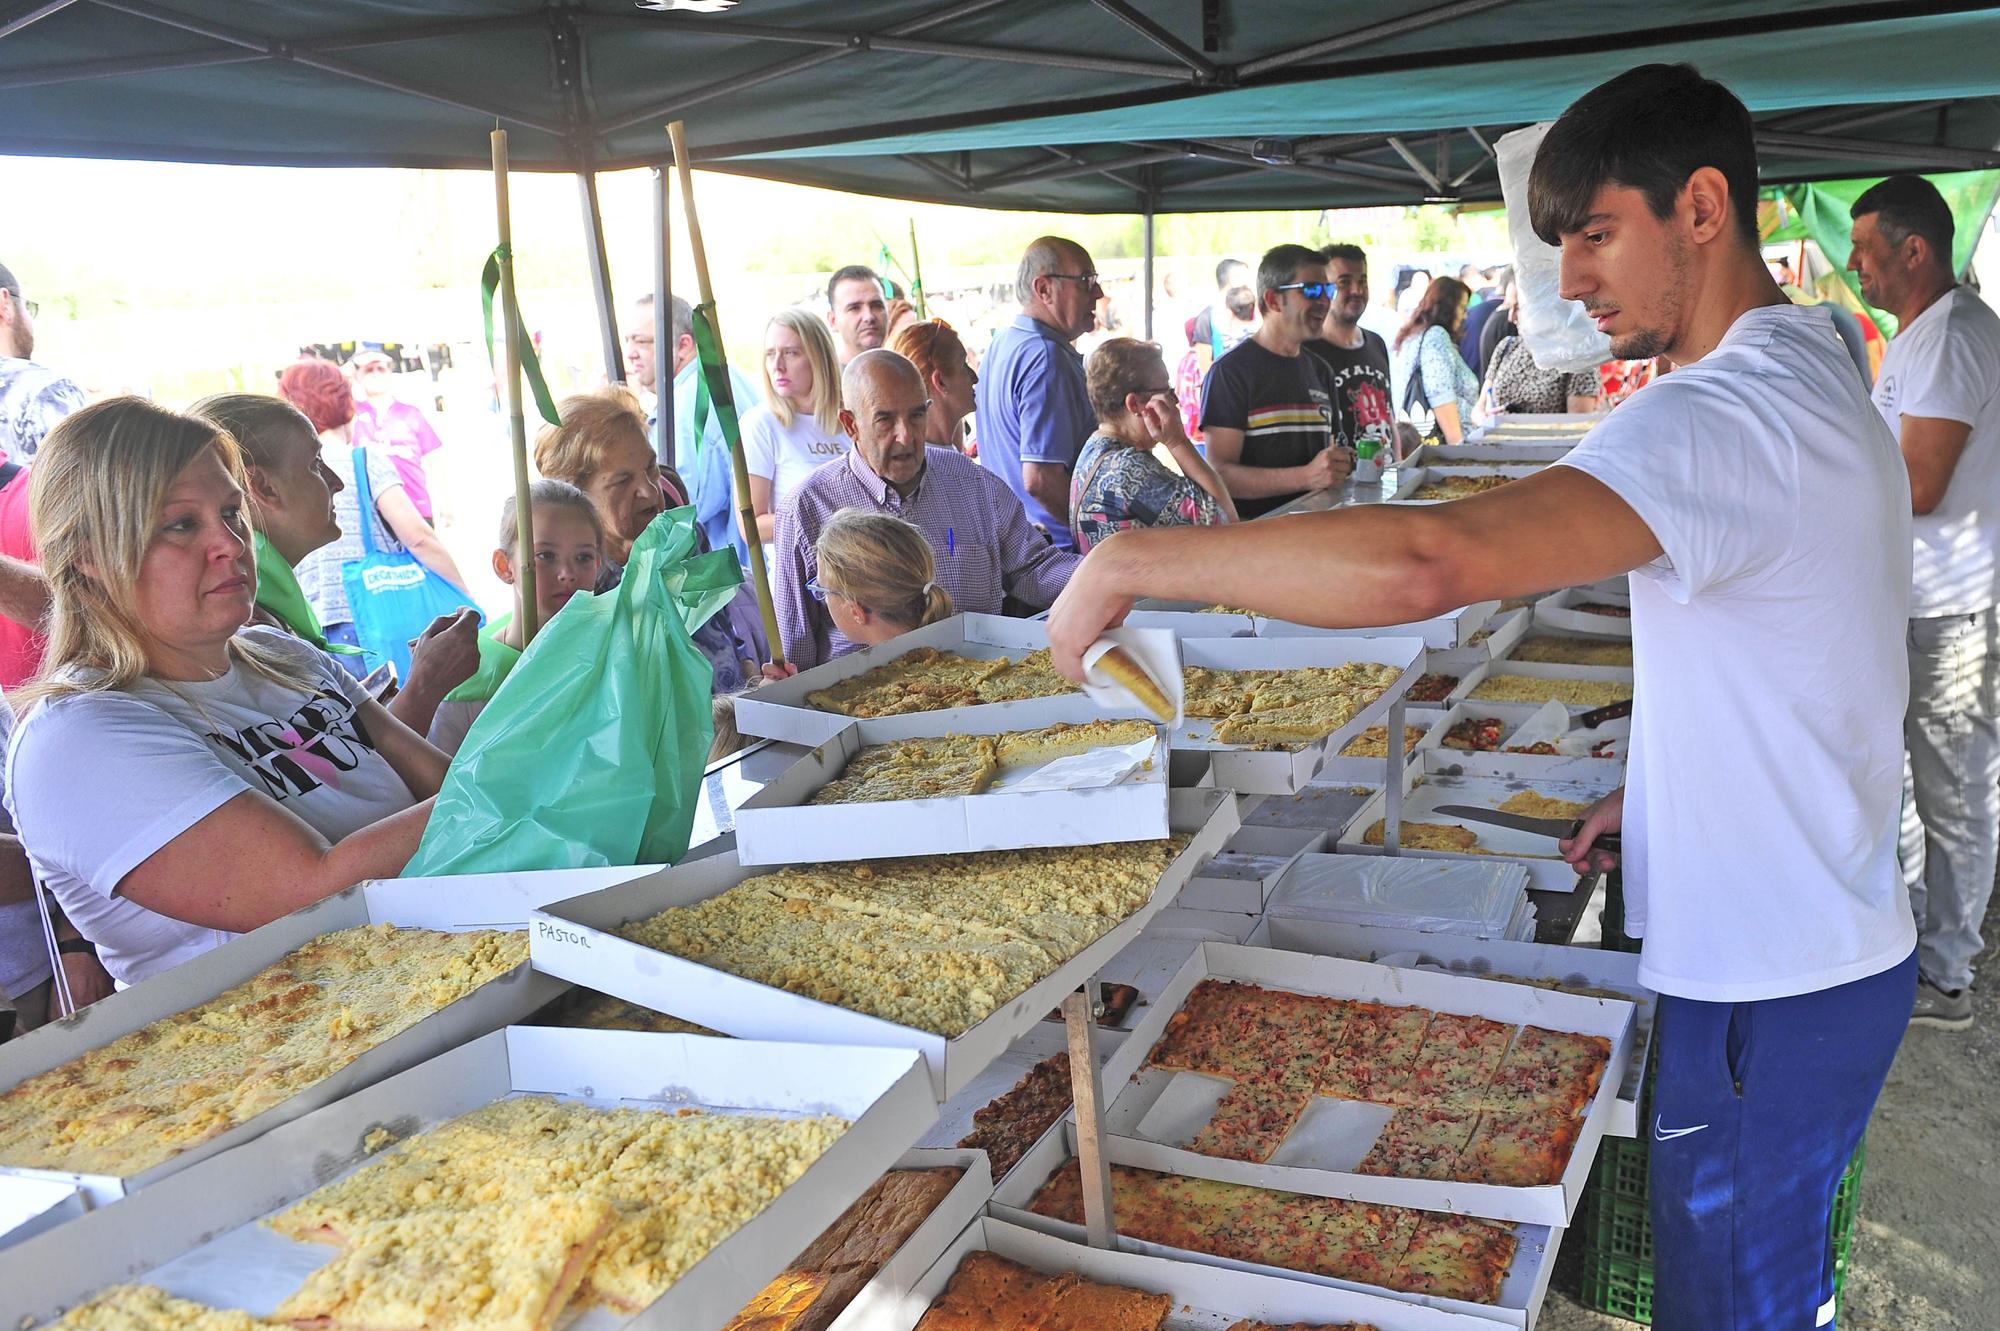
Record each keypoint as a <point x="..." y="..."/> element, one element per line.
<point x="1559" y="828"/>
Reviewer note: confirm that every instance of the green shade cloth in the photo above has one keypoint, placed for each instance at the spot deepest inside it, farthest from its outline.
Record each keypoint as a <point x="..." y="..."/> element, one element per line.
<point x="279" y="593"/>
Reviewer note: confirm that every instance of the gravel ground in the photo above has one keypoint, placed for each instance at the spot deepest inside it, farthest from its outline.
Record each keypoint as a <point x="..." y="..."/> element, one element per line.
<point x="1927" y="1250"/>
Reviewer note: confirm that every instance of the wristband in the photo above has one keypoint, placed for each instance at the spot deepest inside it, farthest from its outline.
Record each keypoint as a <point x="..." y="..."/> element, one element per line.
<point x="74" y="946"/>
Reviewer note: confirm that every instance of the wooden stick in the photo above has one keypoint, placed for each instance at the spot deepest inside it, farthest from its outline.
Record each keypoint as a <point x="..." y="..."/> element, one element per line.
<point x="917" y="274"/>
<point x="1087" y="1091"/>
<point x="510" y="319"/>
<point x="746" y="514"/>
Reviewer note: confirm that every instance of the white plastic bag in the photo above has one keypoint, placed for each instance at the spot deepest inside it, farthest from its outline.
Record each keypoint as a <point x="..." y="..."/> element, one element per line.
<point x="1560" y="336"/>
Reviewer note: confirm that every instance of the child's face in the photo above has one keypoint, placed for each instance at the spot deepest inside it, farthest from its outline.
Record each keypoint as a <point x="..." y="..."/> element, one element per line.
<point x="567" y="556"/>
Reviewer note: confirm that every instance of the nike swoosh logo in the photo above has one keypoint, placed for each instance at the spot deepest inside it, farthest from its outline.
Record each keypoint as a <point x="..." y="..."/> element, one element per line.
<point x="1661" y="1134"/>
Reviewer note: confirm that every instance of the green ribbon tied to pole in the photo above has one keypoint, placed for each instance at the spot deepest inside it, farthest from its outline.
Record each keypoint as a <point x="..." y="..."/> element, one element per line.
<point x="531" y="364"/>
<point x="711" y="386"/>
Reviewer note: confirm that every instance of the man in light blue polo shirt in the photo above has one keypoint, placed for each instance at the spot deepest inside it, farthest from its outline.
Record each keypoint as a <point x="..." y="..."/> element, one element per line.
<point x="1034" y="411"/>
<point x="700" y="454"/>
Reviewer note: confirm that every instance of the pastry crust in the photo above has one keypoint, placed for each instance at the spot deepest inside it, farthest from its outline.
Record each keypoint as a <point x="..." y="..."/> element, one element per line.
<point x="160" y="1090"/>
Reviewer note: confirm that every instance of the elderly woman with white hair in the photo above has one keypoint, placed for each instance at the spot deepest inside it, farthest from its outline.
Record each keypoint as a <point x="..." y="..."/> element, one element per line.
<point x="177" y="775"/>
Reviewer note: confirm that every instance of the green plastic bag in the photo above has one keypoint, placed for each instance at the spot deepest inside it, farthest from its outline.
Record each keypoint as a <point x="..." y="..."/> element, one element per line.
<point x="591" y="752"/>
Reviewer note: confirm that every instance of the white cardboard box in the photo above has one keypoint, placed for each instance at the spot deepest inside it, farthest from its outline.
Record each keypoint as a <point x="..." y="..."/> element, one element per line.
<point x="1504" y="630"/>
<point x="1447" y="761"/>
<point x="1522" y="1289"/>
<point x="1559" y="610"/>
<point x="479" y="901"/>
<point x="1545" y="873"/>
<point x="1205" y="1298"/>
<point x="1339" y="768"/>
<point x="1593" y="967"/>
<point x="777" y="825"/>
<point x="1151" y="1107"/>
<point x="577" y="940"/>
<point x="779" y="710"/>
<point x="1538" y="670"/>
<point x="29" y="1206"/>
<point x="1249" y="771"/>
<point x="1409" y="480"/>
<point x="1046" y="1040"/>
<point x="1446" y="454"/>
<point x="1189" y="620"/>
<point x="196" y="1234"/>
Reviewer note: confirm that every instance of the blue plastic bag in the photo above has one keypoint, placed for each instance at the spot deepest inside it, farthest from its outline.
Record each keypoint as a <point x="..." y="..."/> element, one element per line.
<point x="591" y="753"/>
<point x="393" y="596"/>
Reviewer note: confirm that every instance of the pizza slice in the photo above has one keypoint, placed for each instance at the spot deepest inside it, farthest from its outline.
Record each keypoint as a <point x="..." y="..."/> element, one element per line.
<point x="1519" y="1150"/>
<point x="496" y="1268"/>
<point x="1209" y="1033"/>
<point x="1554" y="1071"/>
<point x="147" y="1308"/>
<point x="1457" y="1061"/>
<point x="1089" y="1306"/>
<point x="1378" y="1045"/>
<point x="1012" y="1123"/>
<point x="1252" y="1119"/>
<point x="1359" y="1241"/>
<point x="1456" y="1257"/>
<point x="1420" y="1143"/>
<point x="989" y="1293"/>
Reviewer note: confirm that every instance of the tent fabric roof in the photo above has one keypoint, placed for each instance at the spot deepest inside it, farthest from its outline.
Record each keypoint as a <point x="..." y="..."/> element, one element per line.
<point x="1069" y="105"/>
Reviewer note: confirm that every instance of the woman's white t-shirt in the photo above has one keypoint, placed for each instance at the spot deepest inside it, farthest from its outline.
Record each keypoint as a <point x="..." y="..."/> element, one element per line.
<point x="98" y="782"/>
<point x="784" y="455"/>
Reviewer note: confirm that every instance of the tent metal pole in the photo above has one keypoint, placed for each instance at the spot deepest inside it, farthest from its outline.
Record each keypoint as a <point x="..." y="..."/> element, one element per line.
<point x="600" y="275"/>
<point x="1149" y="266"/>
<point x="663" y="320"/>
<point x="34" y="11"/>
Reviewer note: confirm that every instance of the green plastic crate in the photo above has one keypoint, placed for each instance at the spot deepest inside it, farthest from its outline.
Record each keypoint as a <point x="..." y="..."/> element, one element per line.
<point x="1623" y="1286"/>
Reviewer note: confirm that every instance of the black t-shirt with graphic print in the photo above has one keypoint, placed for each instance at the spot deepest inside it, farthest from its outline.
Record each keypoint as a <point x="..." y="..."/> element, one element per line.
<point x="1282" y="404"/>
<point x="1361" y="393"/>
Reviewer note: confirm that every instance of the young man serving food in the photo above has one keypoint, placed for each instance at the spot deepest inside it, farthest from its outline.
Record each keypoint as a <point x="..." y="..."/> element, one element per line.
<point x="1762" y="509"/>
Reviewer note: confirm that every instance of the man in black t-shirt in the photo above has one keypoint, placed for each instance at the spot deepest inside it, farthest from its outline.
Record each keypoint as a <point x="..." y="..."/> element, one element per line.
<point x="1267" y="408"/>
<point x="1358" y="358"/>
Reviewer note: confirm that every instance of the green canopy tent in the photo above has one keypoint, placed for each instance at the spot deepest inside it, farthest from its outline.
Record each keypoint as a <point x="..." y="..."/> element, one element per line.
<point x="1140" y="106"/>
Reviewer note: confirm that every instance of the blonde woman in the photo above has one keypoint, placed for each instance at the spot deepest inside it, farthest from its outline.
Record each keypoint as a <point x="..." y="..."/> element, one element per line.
<point x="877" y="578"/>
<point x="177" y="777"/>
<point x="798" y="425"/>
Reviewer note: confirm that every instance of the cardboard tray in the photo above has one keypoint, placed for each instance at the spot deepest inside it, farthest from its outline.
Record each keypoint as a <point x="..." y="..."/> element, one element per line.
<point x="196" y="1235"/>
<point x="1503" y="630"/>
<point x="577" y="940"/>
<point x="1250" y="771"/>
<point x="478" y="901"/>
<point x="1479" y="675"/>
<point x="1522" y="1289"/>
<point x="1187" y="618"/>
<point x="1409" y="480"/>
<point x="779" y="710"/>
<point x="1140" y="1094"/>
<point x="29" y="1206"/>
<point x="1045" y="1040"/>
<point x="1445" y="761"/>
<point x="1205" y="1298"/>
<point x="1338" y="768"/>
<point x="1559" y="611"/>
<point x="777" y="825"/>
<point x="1434" y="786"/>
<point x="1429" y="455"/>
<point x="1590" y="966"/>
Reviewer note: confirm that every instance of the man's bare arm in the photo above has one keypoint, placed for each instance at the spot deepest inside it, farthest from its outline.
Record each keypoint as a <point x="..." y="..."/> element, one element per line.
<point x="24" y="592"/>
<point x="1048" y="482"/>
<point x="1363" y="566"/>
<point x="1225" y="455"/>
<point x="1931" y="447"/>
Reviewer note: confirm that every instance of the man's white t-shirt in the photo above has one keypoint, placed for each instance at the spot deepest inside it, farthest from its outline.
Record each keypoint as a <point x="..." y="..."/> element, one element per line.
<point x="1946" y="363"/>
<point x="783" y="454"/>
<point x="97" y="782"/>
<point x="1765" y="775"/>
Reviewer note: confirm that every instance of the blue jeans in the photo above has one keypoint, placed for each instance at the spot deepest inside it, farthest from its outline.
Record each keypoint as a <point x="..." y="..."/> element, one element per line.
<point x="1756" y="1111"/>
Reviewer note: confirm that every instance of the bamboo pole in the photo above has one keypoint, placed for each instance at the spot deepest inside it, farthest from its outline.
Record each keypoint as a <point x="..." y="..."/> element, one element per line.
<point x="917" y="274"/>
<point x="746" y="514"/>
<point x="510" y="321"/>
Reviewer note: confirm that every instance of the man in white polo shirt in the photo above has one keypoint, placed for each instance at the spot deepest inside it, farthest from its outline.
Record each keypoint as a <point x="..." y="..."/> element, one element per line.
<point x="1762" y="510"/>
<point x="1939" y="391"/>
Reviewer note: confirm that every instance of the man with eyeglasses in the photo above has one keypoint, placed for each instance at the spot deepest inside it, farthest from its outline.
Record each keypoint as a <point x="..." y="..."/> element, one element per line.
<point x="1267" y="407"/>
<point x="32" y="397"/>
<point x="1358" y="358"/>
<point x="1033" y="407"/>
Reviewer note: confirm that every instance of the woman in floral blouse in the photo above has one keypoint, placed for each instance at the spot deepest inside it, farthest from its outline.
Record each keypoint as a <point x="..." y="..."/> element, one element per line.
<point x="1118" y="482"/>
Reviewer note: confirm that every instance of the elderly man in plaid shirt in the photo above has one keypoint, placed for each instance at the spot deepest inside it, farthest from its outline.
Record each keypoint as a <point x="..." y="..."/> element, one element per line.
<point x="986" y="548"/>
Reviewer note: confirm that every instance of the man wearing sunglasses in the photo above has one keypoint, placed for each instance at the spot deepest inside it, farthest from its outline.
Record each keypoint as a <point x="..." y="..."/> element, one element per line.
<point x="1267" y="407"/>
<point x="32" y="397"/>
